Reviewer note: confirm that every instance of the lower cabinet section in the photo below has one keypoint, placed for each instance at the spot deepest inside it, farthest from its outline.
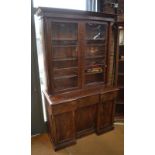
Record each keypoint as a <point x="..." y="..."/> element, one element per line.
<point x="72" y="119"/>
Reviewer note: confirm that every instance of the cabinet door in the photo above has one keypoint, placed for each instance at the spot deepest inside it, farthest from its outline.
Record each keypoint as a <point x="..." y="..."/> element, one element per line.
<point x="63" y="124"/>
<point x="95" y="53"/>
<point x="106" y="112"/>
<point x="85" y="115"/>
<point x="65" y="55"/>
<point x="65" y="127"/>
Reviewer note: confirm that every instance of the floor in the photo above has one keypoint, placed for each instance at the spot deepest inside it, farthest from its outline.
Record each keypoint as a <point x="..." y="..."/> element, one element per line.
<point x="110" y="143"/>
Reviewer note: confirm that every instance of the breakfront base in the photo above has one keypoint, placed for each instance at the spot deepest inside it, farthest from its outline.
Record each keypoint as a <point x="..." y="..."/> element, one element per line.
<point x="79" y="113"/>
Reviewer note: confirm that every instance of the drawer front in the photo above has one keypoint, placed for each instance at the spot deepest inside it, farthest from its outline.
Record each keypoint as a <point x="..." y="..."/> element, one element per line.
<point x="63" y="107"/>
<point x="86" y="101"/>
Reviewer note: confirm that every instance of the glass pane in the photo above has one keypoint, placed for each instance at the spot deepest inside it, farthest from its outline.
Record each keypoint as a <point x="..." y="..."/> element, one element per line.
<point x="94" y="78"/>
<point x="94" y="62"/>
<point x="95" y="50"/>
<point x="94" y="70"/>
<point x="95" y="53"/>
<point x="64" y="31"/>
<point x="65" y="83"/>
<point x="95" y="31"/>
<point x="65" y="52"/>
<point x="65" y="72"/>
<point x="65" y="55"/>
<point x="64" y="64"/>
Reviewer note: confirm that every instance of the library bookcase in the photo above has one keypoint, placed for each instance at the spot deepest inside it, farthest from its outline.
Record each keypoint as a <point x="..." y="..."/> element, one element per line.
<point x="78" y="57"/>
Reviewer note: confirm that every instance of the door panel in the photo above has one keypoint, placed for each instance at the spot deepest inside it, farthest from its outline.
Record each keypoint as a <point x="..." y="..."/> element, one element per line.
<point x="65" y="127"/>
<point x="85" y="118"/>
<point x="95" y="52"/>
<point x="64" y="55"/>
<point x="106" y="112"/>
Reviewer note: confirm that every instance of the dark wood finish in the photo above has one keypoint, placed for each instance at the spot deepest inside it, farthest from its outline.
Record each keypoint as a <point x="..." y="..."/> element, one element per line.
<point x="79" y="113"/>
<point x="79" y="99"/>
<point x="106" y="112"/>
<point x="85" y="119"/>
<point x="74" y="14"/>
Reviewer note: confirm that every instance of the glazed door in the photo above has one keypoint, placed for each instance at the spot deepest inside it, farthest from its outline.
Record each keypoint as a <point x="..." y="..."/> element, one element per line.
<point x="65" y="55"/>
<point x="95" y="53"/>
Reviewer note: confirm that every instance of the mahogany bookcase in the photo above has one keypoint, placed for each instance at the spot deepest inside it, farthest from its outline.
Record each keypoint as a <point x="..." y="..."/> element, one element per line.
<point x="78" y="56"/>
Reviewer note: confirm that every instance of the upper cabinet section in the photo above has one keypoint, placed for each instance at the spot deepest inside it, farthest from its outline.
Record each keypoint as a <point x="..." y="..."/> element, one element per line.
<point x="76" y="48"/>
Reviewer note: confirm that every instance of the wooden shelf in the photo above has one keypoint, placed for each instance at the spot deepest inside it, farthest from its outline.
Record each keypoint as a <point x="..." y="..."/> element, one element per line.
<point x="60" y="46"/>
<point x="96" y="44"/>
<point x="56" y="69"/>
<point x="94" y="83"/>
<point x="94" y="57"/>
<point x="64" y="39"/>
<point x="88" y="66"/>
<point x="90" y="39"/>
<point x="92" y="73"/>
<point x="64" y="59"/>
<point x="65" y="77"/>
